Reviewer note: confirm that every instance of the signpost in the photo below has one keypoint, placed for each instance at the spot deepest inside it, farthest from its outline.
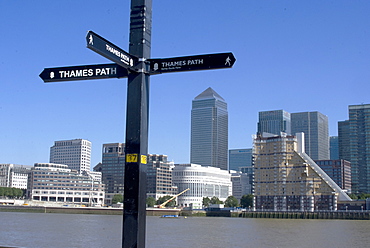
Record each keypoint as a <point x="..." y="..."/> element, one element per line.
<point x="137" y="67"/>
<point x="192" y="63"/>
<point x="112" y="52"/>
<point x="83" y="72"/>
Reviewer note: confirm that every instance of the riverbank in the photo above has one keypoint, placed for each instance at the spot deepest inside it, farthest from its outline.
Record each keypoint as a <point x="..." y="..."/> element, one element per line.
<point x="340" y="215"/>
<point x="84" y="210"/>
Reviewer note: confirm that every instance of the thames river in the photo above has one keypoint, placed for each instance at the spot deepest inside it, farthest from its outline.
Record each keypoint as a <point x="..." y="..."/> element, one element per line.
<point x="79" y="230"/>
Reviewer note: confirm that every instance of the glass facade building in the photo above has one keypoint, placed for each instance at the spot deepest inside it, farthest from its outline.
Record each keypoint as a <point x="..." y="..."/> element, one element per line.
<point x="334" y="147"/>
<point x="112" y="168"/>
<point x="343" y="140"/>
<point x="240" y="158"/>
<point x="315" y="127"/>
<point x="209" y="130"/>
<point x="359" y="147"/>
<point x="274" y="122"/>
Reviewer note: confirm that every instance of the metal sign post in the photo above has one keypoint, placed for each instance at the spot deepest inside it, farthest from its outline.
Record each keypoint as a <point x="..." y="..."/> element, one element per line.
<point x="137" y="67"/>
<point x="134" y="212"/>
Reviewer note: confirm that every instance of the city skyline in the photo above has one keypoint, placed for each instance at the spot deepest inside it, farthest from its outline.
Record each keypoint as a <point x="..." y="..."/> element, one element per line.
<point x="296" y="56"/>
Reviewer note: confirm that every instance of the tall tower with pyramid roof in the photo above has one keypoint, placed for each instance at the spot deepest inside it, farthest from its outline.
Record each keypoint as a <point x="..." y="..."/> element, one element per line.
<point x="209" y="130"/>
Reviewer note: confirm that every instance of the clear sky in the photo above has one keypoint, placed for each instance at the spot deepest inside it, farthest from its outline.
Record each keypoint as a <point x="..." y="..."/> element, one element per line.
<point x="292" y="55"/>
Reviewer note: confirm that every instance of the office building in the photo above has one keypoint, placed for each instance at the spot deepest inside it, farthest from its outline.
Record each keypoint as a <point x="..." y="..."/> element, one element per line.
<point x="57" y="183"/>
<point x="286" y="178"/>
<point x="241" y="184"/>
<point x="275" y="122"/>
<point x="203" y="181"/>
<point x="14" y="176"/>
<point x="343" y="140"/>
<point x="359" y="147"/>
<point x="209" y="130"/>
<point x="315" y="127"/>
<point x="240" y="158"/>
<point x="112" y="168"/>
<point x="338" y="170"/>
<point x="75" y="153"/>
<point x="334" y="147"/>
<point x="159" y="176"/>
<point x="241" y="169"/>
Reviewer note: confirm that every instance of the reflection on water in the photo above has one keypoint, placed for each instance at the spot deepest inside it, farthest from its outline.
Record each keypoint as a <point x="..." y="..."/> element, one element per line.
<point x="73" y="230"/>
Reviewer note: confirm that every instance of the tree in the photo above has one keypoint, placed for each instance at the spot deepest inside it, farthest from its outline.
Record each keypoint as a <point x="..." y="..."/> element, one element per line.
<point x="353" y="196"/>
<point x="165" y="198"/>
<point x="246" y="201"/>
<point x="150" y="201"/>
<point x="117" y="198"/>
<point x="215" y="200"/>
<point x="206" y="201"/>
<point x="231" y="202"/>
<point x="363" y="196"/>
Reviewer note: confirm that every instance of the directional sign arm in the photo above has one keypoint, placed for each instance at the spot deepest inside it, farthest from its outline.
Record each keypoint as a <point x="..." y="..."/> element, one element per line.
<point x="110" y="51"/>
<point x="83" y="72"/>
<point x="192" y="63"/>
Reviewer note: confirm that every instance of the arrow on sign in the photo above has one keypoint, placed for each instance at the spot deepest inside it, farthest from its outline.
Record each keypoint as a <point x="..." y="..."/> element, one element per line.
<point x="192" y="63"/>
<point x="112" y="52"/>
<point x="83" y="72"/>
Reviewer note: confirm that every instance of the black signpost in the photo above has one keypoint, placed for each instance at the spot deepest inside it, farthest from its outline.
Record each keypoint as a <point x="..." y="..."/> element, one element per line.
<point x="112" y="52"/>
<point x="137" y="67"/>
<point x="83" y="72"/>
<point x="192" y="63"/>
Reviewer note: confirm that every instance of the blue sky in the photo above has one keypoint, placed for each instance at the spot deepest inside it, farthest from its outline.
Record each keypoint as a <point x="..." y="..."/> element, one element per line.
<point x="292" y="55"/>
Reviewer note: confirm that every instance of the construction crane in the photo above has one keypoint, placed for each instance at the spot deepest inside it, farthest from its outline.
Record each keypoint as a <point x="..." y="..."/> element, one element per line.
<point x="173" y="197"/>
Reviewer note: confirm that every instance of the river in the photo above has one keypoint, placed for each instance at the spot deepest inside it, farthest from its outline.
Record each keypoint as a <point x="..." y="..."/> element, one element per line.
<point x="79" y="230"/>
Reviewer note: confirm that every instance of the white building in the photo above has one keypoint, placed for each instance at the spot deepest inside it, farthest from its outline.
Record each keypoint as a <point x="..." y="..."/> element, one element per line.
<point x="74" y="153"/>
<point x="57" y="183"/>
<point x="14" y="176"/>
<point x="203" y="181"/>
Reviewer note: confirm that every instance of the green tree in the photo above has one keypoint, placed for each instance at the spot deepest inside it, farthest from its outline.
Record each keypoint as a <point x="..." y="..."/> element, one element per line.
<point x="165" y="198"/>
<point x="353" y="196"/>
<point x="117" y="198"/>
<point x="215" y="200"/>
<point x="2" y="191"/>
<point x="206" y="201"/>
<point x="246" y="201"/>
<point x="231" y="202"/>
<point x="150" y="201"/>
<point x="363" y="196"/>
<point x="8" y="192"/>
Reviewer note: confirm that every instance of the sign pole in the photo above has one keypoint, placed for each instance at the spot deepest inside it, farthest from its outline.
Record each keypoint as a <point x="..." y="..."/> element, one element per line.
<point x="137" y="66"/>
<point x="136" y="147"/>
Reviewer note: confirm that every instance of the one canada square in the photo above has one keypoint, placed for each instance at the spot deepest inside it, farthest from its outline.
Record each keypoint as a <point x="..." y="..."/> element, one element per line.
<point x="209" y="130"/>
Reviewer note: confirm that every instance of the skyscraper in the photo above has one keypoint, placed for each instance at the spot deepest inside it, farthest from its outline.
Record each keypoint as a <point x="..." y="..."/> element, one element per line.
<point x="274" y="122"/>
<point x="240" y="158"/>
<point x="112" y="168"/>
<point x="75" y="153"/>
<point x="209" y="130"/>
<point x="359" y="147"/>
<point x="315" y="127"/>
<point x="334" y="147"/>
<point x="343" y="140"/>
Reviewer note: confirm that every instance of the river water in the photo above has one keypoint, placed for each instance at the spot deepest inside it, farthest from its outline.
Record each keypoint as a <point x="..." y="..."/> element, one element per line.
<point x="79" y="230"/>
